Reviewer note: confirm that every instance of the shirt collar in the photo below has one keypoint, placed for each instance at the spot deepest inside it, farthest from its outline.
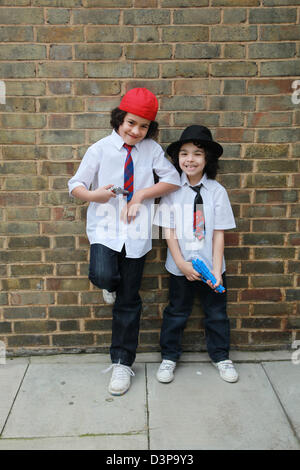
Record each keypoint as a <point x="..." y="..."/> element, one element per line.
<point x="119" y="142"/>
<point x="185" y="181"/>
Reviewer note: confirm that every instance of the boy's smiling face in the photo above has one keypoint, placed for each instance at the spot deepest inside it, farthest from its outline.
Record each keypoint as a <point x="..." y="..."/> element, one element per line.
<point x="192" y="162"/>
<point x="133" y="129"/>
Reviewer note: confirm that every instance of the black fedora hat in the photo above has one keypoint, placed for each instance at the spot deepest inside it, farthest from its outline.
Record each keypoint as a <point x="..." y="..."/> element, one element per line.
<point x="200" y="134"/>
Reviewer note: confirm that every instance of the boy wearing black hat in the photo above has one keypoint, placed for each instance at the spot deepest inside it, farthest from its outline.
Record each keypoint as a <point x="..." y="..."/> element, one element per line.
<point x="194" y="219"/>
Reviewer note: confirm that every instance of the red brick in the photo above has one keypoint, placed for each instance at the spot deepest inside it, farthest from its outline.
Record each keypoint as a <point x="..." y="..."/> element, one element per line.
<point x="261" y="295"/>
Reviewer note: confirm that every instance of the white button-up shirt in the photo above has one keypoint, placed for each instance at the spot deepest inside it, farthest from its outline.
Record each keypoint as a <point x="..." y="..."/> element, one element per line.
<point x="103" y="164"/>
<point x="176" y="210"/>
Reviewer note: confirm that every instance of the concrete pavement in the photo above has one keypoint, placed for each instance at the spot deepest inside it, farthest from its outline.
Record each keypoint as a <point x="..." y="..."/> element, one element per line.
<point x="62" y="402"/>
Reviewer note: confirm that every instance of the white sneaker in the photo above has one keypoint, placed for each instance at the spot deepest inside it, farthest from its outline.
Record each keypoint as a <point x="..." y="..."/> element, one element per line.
<point x="165" y="373"/>
<point x="109" y="297"/>
<point x="227" y="370"/>
<point x="120" y="379"/>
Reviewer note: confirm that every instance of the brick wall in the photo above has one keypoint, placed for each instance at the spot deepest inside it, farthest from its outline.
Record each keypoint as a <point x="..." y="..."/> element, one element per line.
<point x="228" y="64"/>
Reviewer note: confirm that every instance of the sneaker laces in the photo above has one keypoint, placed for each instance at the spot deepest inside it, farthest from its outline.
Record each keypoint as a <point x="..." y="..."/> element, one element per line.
<point x="227" y="364"/>
<point x="120" y="371"/>
<point x="167" y="365"/>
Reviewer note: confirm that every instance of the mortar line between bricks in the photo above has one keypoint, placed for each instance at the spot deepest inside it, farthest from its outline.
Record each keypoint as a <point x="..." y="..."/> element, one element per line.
<point x="281" y="404"/>
<point x="16" y="395"/>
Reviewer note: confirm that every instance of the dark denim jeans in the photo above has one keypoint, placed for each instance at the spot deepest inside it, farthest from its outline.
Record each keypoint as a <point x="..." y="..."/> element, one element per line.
<point x="216" y="322"/>
<point x="111" y="270"/>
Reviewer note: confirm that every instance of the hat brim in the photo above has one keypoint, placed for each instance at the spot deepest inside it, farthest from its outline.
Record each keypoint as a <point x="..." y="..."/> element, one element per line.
<point x="216" y="148"/>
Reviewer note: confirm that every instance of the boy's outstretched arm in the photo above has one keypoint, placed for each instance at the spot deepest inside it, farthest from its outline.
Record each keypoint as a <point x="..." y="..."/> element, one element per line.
<point x="157" y="190"/>
<point x="129" y="212"/>
<point x="98" y="195"/>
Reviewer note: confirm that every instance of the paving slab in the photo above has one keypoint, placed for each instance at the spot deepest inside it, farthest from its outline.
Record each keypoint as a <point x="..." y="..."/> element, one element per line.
<point x="11" y="375"/>
<point x="198" y="410"/>
<point x="61" y="400"/>
<point x="285" y="378"/>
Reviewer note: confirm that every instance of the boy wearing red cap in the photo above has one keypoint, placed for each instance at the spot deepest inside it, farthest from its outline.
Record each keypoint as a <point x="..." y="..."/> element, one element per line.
<point x="118" y="227"/>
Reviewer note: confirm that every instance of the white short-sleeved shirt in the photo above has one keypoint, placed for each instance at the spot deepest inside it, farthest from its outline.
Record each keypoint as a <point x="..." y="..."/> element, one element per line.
<point x="103" y="164"/>
<point x="176" y="210"/>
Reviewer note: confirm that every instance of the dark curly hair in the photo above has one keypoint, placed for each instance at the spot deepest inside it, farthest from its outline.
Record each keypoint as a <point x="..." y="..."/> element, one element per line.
<point x="211" y="167"/>
<point x="117" y="118"/>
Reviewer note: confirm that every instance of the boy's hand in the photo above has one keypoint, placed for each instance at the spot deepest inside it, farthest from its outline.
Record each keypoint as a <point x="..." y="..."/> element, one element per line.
<point x="130" y="210"/>
<point x="190" y="273"/>
<point x="219" y="281"/>
<point x="102" y="194"/>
